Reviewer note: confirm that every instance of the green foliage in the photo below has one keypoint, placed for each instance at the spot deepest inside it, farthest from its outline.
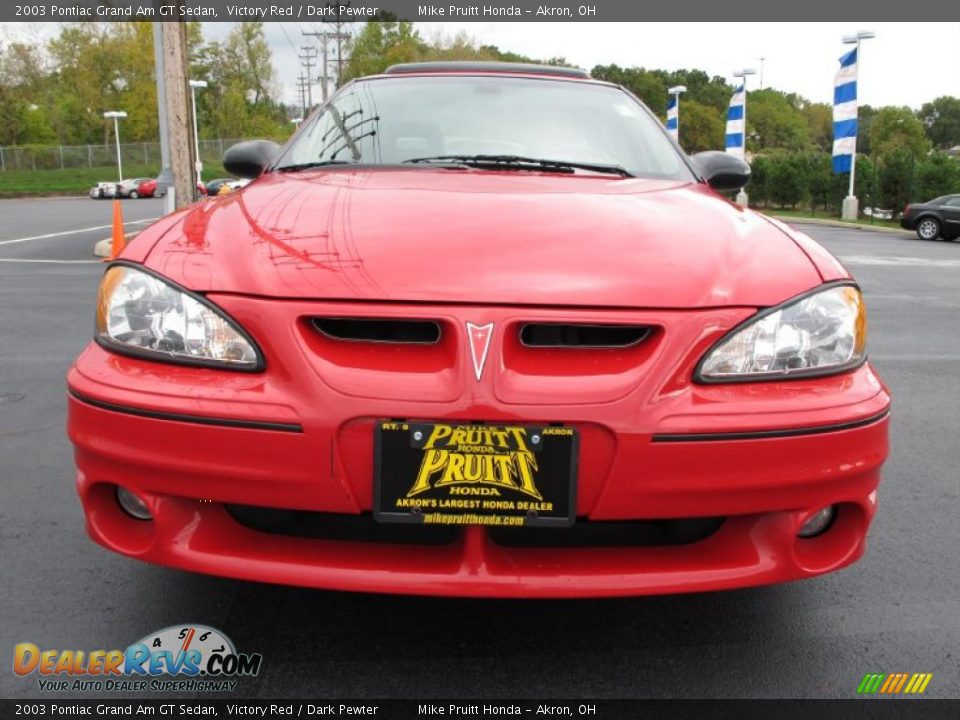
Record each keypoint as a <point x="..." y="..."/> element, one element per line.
<point x="759" y="180"/>
<point x="775" y="121"/>
<point x="788" y="179"/>
<point x="381" y="44"/>
<point x="937" y="175"/>
<point x="700" y="127"/>
<point x="942" y="121"/>
<point x="806" y="179"/>
<point x="896" y="128"/>
<point x="57" y="93"/>
<point x="896" y="176"/>
<point x="819" y="120"/>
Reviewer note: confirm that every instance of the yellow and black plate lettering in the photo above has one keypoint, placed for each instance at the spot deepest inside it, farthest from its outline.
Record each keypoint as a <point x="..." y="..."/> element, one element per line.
<point x="475" y="474"/>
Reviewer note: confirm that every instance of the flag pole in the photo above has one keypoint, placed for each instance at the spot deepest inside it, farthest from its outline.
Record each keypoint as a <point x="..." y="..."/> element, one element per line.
<point x="850" y="210"/>
<point x="853" y="158"/>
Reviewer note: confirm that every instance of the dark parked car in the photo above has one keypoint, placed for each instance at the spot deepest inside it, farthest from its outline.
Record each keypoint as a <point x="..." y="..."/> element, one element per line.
<point x="215" y="186"/>
<point x="937" y="218"/>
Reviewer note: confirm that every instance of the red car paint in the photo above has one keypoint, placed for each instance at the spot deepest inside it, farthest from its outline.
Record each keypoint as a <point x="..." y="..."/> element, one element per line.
<point x="478" y="247"/>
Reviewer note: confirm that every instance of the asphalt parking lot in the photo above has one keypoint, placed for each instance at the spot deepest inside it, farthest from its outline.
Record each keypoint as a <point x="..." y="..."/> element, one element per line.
<point x="898" y="610"/>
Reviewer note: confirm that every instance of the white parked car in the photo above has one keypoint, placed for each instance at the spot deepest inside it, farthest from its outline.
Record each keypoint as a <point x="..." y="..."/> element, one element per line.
<point x="103" y="190"/>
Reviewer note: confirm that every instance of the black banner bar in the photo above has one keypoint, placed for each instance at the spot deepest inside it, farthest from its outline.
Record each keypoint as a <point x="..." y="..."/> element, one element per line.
<point x="875" y="709"/>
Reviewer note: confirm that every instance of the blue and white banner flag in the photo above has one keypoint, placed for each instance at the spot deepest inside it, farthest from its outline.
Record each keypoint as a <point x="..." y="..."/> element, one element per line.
<point x="673" y="118"/>
<point x="735" y="129"/>
<point x="845" y="113"/>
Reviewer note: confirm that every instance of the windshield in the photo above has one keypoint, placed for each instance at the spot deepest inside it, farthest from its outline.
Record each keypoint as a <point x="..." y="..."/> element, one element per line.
<point x="388" y="121"/>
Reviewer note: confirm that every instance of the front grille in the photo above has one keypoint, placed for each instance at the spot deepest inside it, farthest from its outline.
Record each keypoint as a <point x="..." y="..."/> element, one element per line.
<point x="338" y="526"/>
<point x="379" y="330"/>
<point x="364" y="529"/>
<point x="566" y="335"/>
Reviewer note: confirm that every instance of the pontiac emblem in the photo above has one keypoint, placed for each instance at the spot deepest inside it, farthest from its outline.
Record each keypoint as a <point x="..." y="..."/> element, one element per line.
<point x="479" y="345"/>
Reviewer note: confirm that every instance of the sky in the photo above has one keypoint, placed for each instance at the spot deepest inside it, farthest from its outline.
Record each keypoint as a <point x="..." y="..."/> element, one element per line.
<point x="906" y="64"/>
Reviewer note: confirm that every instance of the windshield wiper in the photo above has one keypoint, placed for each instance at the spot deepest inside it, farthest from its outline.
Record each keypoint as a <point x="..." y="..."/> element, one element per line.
<point x="520" y="162"/>
<point x="315" y="164"/>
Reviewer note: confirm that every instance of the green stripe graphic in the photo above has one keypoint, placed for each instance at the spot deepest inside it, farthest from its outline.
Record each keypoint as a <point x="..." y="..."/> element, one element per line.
<point x="870" y="683"/>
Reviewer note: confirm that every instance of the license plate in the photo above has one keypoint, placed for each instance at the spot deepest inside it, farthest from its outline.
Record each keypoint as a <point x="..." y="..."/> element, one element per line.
<point x="470" y="474"/>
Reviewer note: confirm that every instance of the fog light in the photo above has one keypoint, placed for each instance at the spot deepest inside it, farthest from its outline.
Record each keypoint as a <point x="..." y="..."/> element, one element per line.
<point x="132" y="505"/>
<point x="818" y="523"/>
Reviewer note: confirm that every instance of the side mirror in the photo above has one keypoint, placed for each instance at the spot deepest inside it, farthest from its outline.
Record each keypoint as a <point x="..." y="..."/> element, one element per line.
<point x="248" y="159"/>
<point x="721" y="170"/>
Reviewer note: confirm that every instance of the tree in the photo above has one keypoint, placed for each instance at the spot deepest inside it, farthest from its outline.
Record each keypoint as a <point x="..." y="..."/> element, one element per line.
<point x="381" y="44"/>
<point x="897" y="128"/>
<point x="819" y="119"/>
<point x="865" y="116"/>
<point x="937" y="175"/>
<point x="942" y="121"/>
<point x="24" y="114"/>
<point x="649" y="86"/>
<point x="826" y="190"/>
<point x="240" y="100"/>
<point x="896" y="178"/>
<point x="774" y="121"/>
<point x="701" y="127"/>
<point x="759" y="173"/>
<point x="788" y="179"/>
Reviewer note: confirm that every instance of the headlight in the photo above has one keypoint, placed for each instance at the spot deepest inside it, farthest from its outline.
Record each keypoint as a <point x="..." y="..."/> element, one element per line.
<point x="139" y="313"/>
<point x="821" y="333"/>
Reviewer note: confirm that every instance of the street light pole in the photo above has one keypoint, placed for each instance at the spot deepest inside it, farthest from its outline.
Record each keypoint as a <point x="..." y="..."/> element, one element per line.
<point x="116" y="115"/>
<point x="743" y="200"/>
<point x="850" y="209"/>
<point x="194" y="84"/>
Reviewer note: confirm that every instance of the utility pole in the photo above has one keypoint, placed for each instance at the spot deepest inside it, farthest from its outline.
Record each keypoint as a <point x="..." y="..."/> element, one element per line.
<point x="165" y="179"/>
<point x="176" y="112"/>
<point x="307" y="60"/>
<point x="341" y="36"/>
<point x="325" y="37"/>
<point x="302" y="93"/>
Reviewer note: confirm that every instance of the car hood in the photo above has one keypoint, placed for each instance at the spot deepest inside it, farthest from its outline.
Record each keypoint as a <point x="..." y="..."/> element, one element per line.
<point x="441" y="235"/>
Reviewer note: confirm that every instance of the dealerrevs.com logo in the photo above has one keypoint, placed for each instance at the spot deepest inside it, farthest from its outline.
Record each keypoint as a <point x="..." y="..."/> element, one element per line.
<point x="180" y="658"/>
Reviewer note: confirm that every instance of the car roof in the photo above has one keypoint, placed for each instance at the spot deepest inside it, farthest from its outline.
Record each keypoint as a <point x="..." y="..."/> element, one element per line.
<point x="478" y="66"/>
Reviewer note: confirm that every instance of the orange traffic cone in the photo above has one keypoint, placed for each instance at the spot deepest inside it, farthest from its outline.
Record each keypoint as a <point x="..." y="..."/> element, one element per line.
<point x="119" y="242"/>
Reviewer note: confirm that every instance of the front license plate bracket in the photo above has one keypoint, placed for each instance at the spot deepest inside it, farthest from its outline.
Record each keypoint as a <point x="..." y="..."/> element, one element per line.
<point x="494" y="474"/>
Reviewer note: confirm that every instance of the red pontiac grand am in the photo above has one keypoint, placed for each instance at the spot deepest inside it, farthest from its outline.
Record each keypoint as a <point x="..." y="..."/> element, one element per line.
<point x="480" y="329"/>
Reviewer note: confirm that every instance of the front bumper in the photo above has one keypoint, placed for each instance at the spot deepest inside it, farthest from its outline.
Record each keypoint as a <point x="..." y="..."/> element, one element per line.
<point x="194" y="442"/>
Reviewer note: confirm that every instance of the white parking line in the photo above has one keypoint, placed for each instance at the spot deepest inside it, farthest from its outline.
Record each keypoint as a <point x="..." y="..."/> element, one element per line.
<point x="900" y="260"/>
<point x="72" y="232"/>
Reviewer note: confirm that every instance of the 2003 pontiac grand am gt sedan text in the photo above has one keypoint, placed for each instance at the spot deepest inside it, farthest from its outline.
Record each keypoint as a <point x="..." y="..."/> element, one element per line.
<point x="480" y="330"/>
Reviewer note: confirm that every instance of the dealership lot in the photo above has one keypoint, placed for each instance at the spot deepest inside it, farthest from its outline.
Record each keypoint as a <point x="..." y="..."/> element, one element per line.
<point x="898" y="610"/>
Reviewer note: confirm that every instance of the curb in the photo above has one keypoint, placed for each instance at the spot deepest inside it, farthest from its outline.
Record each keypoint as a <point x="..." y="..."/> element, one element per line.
<point x="839" y="224"/>
<point x="104" y="248"/>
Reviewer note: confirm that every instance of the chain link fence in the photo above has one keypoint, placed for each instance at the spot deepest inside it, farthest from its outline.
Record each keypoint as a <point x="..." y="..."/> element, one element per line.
<point x="62" y="157"/>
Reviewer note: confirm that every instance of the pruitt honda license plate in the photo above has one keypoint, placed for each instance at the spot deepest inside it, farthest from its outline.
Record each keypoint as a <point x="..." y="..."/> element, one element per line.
<point x="468" y="474"/>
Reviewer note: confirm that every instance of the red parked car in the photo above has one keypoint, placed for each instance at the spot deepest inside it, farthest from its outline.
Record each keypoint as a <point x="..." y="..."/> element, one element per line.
<point x="148" y="188"/>
<point x="480" y="330"/>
